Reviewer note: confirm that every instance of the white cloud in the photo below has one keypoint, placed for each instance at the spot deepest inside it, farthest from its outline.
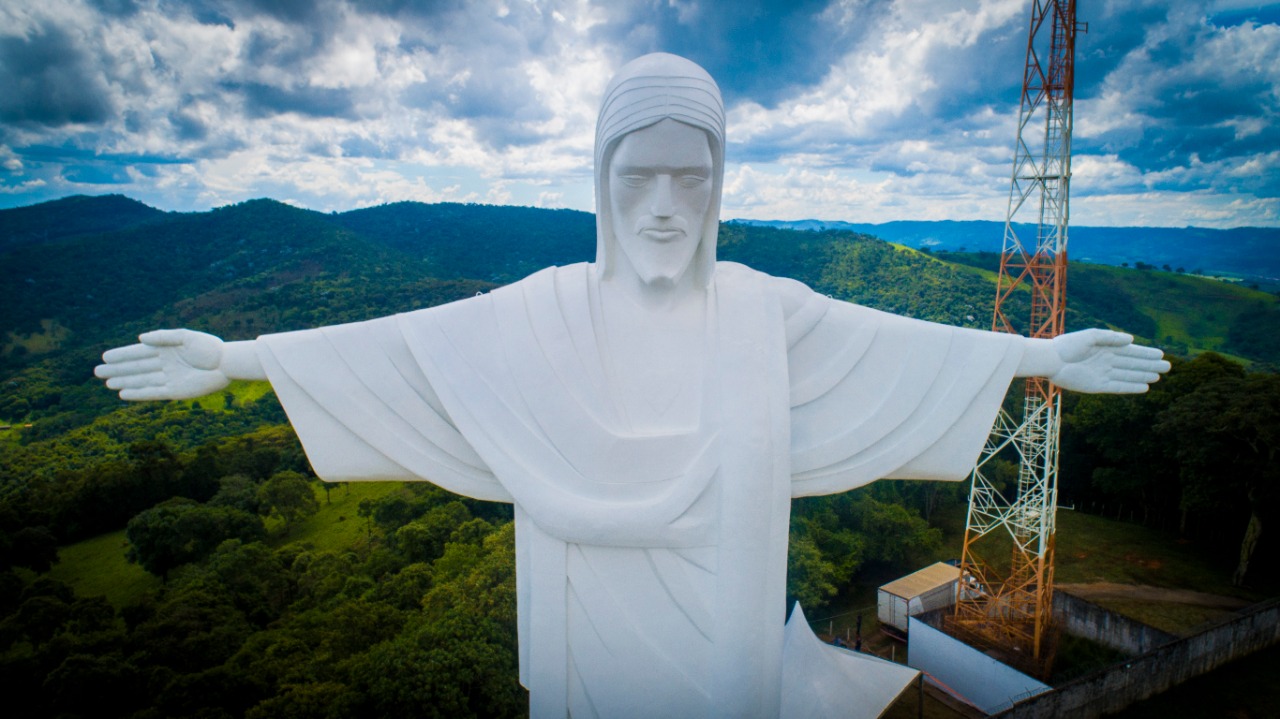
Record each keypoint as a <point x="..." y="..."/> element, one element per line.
<point x="792" y="193"/>
<point x="25" y="187"/>
<point x="496" y="101"/>
<point x="1175" y="209"/>
<point x="890" y="73"/>
<point x="9" y="161"/>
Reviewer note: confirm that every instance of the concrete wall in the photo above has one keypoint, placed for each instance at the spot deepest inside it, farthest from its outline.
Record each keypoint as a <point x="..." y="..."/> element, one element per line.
<point x="1085" y="619"/>
<point x="1118" y="686"/>
<point x="990" y="685"/>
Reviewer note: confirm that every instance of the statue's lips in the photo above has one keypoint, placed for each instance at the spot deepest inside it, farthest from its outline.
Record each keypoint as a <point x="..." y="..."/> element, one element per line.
<point x="658" y="234"/>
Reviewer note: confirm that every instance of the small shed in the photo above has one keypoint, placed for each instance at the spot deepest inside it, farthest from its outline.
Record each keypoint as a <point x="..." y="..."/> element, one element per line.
<point x="927" y="589"/>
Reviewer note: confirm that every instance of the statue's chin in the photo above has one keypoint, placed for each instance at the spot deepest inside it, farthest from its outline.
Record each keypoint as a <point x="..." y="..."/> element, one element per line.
<point x="664" y="281"/>
<point x="659" y="268"/>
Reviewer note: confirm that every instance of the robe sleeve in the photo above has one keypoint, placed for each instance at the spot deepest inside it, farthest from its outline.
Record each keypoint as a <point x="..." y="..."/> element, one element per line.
<point x="364" y="410"/>
<point x="875" y="395"/>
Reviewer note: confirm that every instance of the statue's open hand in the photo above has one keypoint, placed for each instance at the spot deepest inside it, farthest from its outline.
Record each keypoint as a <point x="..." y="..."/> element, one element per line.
<point x="166" y="364"/>
<point x="1102" y="361"/>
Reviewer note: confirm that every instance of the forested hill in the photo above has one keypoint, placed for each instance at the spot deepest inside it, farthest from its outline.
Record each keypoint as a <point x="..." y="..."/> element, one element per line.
<point x="1251" y="254"/>
<point x="85" y="273"/>
<point x="399" y="601"/>
<point x="71" y="216"/>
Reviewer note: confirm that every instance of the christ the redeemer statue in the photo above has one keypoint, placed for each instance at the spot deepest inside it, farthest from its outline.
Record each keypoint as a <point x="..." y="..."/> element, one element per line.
<point x="650" y="415"/>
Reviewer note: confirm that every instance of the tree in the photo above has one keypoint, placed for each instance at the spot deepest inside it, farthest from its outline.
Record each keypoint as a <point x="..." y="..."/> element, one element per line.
<point x="1226" y="435"/>
<point x="458" y="659"/>
<point x="288" y="495"/>
<point x="255" y="578"/>
<point x="237" y="491"/>
<point x="314" y="700"/>
<point x="193" y="629"/>
<point x="99" y="686"/>
<point x="811" y="579"/>
<point x="32" y="547"/>
<point x="894" y="534"/>
<point x="1132" y="461"/>
<point x="423" y="539"/>
<point x="180" y="530"/>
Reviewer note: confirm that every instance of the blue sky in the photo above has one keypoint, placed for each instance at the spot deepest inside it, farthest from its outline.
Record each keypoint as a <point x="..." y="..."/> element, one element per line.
<point x="857" y="110"/>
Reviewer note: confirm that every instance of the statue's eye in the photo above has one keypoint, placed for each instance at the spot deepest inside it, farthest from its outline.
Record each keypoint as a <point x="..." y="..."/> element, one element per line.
<point x="691" y="180"/>
<point x="633" y="180"/>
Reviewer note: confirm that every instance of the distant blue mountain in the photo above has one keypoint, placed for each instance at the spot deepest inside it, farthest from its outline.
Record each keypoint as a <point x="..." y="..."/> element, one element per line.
<point x="1250" y="253"/>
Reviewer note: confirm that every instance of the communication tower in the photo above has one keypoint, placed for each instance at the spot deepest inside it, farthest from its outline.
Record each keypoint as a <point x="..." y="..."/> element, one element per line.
<point x="1005" y="602"/>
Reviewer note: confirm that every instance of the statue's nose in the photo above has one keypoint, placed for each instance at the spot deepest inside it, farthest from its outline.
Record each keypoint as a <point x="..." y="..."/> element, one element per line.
<point x="662" y="203"/>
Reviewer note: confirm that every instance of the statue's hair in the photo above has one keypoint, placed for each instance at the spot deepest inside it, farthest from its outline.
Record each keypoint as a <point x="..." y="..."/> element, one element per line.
<point x="646" y="91"/>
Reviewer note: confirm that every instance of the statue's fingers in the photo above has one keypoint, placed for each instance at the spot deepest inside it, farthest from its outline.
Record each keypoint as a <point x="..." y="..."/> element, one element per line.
<point x="1141" y="352"/>
<point x="151" y="379"/>
<point x="1109" y="338"/>
<point x="1133" y="376"/>
<point x="164" y="338"/>
<point x="131" y="367"/>
<point x="131" y="352"/>
<point x="145" y="394"/>
<point x="1142" y="364"/>
<point x="1112" y="388"/>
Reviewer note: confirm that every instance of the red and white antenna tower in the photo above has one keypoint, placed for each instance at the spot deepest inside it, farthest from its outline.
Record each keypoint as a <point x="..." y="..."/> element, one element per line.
<point x="1007" y="606"/>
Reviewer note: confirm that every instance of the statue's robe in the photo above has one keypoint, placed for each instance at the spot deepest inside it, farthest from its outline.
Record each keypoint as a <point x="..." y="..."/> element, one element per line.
<point x="651" y="569"/>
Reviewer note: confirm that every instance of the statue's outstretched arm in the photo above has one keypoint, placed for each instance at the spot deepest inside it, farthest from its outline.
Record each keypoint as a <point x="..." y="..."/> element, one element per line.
<point x="1093" y="361"/>
<point x="177" y="364"/>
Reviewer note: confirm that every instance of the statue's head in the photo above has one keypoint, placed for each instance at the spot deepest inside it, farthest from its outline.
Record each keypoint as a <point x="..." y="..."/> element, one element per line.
<point x="659" y="169"/>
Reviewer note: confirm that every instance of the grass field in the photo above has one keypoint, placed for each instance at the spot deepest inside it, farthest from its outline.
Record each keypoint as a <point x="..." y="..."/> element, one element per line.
<point x="336" y="527"/>
<point x="98" y="566"/>
<point x="1189" y="310"/>
<point x="1095" y="549"/>
<point x="51" y="336"/>
<point x="243" y="391"/>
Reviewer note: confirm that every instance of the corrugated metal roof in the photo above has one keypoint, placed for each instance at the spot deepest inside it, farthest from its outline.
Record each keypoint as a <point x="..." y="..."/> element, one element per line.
<point x="923" y="581"/>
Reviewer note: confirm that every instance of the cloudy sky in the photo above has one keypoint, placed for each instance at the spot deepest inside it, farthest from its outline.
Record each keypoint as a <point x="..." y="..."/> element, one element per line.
<point x="858" y="110"/>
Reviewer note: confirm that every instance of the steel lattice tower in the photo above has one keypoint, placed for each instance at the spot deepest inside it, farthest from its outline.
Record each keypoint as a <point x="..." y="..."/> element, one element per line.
<point x="1009" y="609"/>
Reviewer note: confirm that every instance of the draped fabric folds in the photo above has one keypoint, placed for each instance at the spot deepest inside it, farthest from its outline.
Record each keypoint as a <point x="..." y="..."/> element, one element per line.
<point x="651" y="568"/>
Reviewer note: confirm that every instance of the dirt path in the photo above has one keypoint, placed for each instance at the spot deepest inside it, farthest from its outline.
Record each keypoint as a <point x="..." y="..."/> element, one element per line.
<point x="1142" y="592"/>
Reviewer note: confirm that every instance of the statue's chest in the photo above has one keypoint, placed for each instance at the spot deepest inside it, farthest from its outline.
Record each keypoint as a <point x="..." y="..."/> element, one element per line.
<point x="657" y="365"/>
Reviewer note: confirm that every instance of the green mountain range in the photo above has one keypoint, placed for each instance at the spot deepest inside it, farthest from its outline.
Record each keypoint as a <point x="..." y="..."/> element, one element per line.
<point x="1247" y="254"/>
<point x="86" y="273"/>
<point x="252" y="591"/>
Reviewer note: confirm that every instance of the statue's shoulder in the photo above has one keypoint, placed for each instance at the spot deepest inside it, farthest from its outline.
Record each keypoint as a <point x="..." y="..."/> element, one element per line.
<point x="547" y="278"/>
<point x="792" y="294"/>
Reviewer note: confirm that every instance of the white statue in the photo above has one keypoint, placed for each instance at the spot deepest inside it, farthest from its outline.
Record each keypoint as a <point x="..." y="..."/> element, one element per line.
<point x="650" y="415"/>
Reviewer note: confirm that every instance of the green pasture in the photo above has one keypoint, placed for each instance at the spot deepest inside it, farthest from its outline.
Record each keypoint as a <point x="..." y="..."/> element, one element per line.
<point x="1095" y="549"/>
<point x="52" y="336"/>
<point x="98" y="566"/>
<point x="1195" y="311"/>
<point x="337" y="526"/>
<point x="242" y="391"/>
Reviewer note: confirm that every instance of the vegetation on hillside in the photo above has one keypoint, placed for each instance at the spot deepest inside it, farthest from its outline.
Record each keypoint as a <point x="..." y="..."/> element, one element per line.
<point x="413" y="611"/>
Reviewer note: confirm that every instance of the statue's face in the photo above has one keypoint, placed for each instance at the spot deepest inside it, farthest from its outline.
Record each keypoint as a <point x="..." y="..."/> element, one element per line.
<point x="659" y="194"/>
